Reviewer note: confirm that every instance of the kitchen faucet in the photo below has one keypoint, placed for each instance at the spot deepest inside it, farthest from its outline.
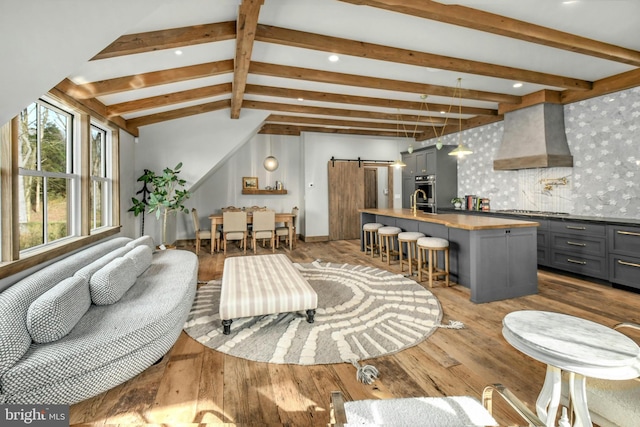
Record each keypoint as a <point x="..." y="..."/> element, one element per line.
<point x="414" y="198"/>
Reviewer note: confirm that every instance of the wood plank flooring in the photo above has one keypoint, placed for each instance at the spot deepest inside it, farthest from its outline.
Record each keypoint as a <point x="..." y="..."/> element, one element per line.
<point x="194" y="385"/>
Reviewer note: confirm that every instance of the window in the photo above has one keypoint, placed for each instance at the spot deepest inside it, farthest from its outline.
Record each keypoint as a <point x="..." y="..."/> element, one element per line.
<point x="46" y="180"/>
<point x="100" y="187"/>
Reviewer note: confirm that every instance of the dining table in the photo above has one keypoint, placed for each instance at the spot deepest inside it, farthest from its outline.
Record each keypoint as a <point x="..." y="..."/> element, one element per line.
<point x="287" y="218"/>
<point x="579" y="347"/>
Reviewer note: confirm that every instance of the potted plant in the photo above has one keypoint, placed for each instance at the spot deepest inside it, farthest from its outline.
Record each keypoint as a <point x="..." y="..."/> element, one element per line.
<point x="165" y="195"/>
<point x="457" y="202"/>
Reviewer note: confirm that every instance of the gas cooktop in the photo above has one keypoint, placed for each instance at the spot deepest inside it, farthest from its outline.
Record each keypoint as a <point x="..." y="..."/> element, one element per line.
<point x="533" y="213"/>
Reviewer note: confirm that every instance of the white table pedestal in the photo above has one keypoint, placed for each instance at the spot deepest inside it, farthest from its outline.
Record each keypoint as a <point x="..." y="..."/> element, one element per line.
<point x="580" y="347"/>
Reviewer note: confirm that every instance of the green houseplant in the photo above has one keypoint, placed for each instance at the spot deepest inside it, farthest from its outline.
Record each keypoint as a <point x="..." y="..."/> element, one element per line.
<point x="164" y="197"/>
<point x="457" y="202"/>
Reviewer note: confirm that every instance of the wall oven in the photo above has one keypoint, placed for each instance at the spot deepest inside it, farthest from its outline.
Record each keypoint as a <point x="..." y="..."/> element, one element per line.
<point x="426" y="202"/>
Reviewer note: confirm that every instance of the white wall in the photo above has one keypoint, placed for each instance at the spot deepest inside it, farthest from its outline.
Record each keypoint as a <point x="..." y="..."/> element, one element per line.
<point x="224" y="186"/>
<point x="318" y="150"/>
<point x="35" y="58"/>
<point x="203" y="143"/>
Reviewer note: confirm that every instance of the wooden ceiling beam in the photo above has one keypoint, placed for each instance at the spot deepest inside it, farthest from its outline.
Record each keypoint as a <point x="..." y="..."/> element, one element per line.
<point x="622" y="81"/>
<point x="361" y="100"/>
<point x="168" y="39"/>
<point x="282" y="118"/>
<point x="179" y="113"/>
<point x="168" y="99"/>
<point x="309" y="74"/>
<point x="338" y="112"/>
<point x="296" y="130"/>
<point x="246" y="24"/>
<point x="496" y="24"/>
<point x="305" y="40"/>
<point x="154" y="78"/>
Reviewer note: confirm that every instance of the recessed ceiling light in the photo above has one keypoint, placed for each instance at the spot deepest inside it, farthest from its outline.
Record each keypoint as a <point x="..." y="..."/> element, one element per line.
<point x="301" y="99"/>
<point x="178" y="52"/>
<point x="334" y="58"/>
<point x="570" y="2"/>
<point x="517" y="84"/>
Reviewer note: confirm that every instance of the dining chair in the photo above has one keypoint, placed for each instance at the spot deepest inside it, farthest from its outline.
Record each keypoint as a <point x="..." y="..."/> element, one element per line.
<point x="284" y="231"/>
<point x="203" y="234"/>
<point x="234" y="228"/>
<point x="264" y="224"/>
<point x="231" y="209"/>
<point x="428" y="411"/>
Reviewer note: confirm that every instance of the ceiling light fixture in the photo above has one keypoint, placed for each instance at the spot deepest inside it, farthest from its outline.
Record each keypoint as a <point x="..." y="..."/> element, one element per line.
<point x="460" y="150"/>
<point x="334" y="58"/>
<point x="398" y="163"/>
<point x="178" y="52"/>
<point x="270" y="162"/>
<point x="516" y="85"/>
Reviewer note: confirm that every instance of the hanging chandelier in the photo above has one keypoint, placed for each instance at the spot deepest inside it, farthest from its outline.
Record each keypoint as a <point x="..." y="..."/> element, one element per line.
<point x="270" y="162"/>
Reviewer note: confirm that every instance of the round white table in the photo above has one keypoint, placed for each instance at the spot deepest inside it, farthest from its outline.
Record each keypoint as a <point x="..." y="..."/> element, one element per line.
<point x="580" y="347"/>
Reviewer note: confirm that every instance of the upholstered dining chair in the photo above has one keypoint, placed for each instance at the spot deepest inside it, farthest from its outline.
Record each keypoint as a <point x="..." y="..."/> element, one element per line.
<point x="234" y="228"/>
<point x="264" y="224"/>
<point x="231" y="209"/>
<point x="202" y="234"/>
<point x="459" y="411"/>
<point x="284" y="231"/>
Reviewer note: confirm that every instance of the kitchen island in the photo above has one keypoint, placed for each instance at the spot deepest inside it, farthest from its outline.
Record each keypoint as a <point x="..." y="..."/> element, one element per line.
<point x="494" y="257"/>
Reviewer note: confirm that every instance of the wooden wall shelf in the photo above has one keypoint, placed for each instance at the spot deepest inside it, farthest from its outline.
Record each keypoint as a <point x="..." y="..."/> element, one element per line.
<point x="248" y="191"/>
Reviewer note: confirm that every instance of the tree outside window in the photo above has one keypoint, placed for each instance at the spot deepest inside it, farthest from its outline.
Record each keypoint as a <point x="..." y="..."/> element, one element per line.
<point x="45" y="174"/>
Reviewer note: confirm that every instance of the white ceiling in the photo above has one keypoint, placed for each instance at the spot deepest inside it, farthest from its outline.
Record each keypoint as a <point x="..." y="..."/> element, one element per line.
<point x="612" y="21"/>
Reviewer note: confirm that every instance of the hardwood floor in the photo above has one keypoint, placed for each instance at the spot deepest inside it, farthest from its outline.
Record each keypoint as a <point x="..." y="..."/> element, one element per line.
<point x="195" y="385"/>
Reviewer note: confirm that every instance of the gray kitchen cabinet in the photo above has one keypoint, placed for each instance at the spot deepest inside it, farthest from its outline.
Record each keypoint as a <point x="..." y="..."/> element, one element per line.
<point x="543" y="243"/>
<point x="624" y="255"/>
<point x="579" y="247"/>
<point x="431" y="161"/>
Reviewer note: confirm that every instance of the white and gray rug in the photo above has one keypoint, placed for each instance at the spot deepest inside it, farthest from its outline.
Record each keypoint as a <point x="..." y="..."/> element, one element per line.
<point x="363" y="312"/>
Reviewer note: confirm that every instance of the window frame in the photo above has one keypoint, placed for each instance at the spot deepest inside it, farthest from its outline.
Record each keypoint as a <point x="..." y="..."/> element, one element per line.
<point x="13" y="261"/>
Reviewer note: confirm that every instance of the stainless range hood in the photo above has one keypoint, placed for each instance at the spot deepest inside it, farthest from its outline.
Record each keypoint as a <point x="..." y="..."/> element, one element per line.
<point x="534" y="137"/>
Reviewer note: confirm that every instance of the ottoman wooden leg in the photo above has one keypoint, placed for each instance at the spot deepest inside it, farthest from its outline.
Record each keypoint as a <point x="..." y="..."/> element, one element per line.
<point x="310" y="314"/>
<point x="226" y="325"/>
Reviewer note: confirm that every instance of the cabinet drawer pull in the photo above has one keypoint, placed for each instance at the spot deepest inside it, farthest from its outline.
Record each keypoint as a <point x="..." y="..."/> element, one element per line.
<point x="628" y="233"/>
<point x="573" y="227"/>
<point x="573" y="261"/>
<point x="576" y="244"/>
<point x="630" y="264"/>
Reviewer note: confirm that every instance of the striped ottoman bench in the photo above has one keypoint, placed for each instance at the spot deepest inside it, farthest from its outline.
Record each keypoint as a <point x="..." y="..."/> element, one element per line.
<point x="263" y="284"/>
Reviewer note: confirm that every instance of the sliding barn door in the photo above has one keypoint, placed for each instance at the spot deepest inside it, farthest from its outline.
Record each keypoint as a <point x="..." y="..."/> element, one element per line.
<point x="346" y="196"/>
<point x="370" y="188"/>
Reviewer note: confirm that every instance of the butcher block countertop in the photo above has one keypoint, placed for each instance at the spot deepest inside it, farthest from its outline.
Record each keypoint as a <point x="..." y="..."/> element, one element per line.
<point x="465" y="222"/>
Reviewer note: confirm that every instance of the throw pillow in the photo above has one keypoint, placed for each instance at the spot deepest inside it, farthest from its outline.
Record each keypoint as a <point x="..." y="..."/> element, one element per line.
<point x="141" y="257"/>
<point x="54" y="313"/>
<point x="143" y="240"/>
<point x="108" y="284"/>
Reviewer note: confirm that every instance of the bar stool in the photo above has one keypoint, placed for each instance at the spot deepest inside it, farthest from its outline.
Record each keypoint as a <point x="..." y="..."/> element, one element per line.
<point x="428" y="248"/>
<point x="370" y="236"/>
<point x="411" y="239"/>
<point x="388" y="238"/>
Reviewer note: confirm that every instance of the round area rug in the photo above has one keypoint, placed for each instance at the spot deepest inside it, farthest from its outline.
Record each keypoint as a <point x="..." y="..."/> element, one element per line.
<point x="363" y="312"/>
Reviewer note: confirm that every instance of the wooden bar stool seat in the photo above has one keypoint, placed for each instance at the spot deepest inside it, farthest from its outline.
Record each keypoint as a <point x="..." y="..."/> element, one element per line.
<point x="388" y="242"/>
<point x="411" y="240"/>
<point x="428" y="248"/>
<point x="370" y="236"/>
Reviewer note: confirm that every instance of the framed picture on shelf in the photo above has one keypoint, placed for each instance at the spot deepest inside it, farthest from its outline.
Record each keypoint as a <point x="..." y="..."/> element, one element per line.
<point x="249" y="182"/>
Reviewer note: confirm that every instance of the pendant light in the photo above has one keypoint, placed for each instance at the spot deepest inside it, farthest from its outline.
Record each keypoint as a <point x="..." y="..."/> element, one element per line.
<point x="270" y="162"/>
<point x="398" y="163"/>
<point x="460" y="150"/>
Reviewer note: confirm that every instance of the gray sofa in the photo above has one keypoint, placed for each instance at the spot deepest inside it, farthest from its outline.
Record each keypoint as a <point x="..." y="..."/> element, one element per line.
<point x="92" y="320"/>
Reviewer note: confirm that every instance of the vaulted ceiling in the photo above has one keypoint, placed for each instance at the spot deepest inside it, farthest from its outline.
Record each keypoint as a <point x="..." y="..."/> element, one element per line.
<point x="415" y="68"/>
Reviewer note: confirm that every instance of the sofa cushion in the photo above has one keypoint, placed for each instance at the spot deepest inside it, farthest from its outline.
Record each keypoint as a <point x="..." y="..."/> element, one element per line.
<point x="56" y="312"/>
<point x="108" y="284"/>
<point x="143" y="240"/>
<point x="89" y="270"/>
<point x="15" y="300"/>
<point x="141" y="257"/>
